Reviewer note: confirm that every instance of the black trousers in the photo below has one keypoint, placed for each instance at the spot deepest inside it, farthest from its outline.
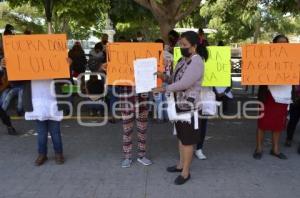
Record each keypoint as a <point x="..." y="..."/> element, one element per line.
<point x="5" y="118"/>
<point x="294" y="119"/>
<point x="203" y="129"/>
<point x="225" y="101"/>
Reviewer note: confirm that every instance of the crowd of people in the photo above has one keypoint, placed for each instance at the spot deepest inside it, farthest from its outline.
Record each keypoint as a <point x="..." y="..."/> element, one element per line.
<point x="35" y="101"/>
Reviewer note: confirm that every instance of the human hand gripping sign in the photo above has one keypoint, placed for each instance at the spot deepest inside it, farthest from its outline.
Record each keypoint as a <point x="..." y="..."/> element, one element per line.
<point x="3" y="62"/>
<point x="159" y="90"/>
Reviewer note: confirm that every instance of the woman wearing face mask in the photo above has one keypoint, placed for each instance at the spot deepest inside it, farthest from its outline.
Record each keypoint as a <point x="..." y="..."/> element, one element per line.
<point x="274" y="114"/>
<point x="185" y="83"/>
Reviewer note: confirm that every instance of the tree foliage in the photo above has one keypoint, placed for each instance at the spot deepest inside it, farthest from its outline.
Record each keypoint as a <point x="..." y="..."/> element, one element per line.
<point x="71" y="16"/>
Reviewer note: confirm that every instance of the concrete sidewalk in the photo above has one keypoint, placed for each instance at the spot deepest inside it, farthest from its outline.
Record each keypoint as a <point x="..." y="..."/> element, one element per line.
<point x="92" y="169"/>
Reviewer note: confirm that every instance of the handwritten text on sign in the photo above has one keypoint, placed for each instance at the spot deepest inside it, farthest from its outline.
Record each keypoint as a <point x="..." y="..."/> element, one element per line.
<point x="36" y="57"/>
<point x="270" y="64"/>
<point x="120" y="58"/>
<point x="217" y="69"/>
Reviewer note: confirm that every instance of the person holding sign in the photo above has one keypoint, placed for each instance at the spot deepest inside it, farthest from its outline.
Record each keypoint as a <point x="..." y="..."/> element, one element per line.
<point x="186" y="86"/>
<point x="275" y="100"/>
<point x="41" y="105"/>
<point x="40" y="101"/>
<point x="134" y="108"/>
<point x="3" y="115"/>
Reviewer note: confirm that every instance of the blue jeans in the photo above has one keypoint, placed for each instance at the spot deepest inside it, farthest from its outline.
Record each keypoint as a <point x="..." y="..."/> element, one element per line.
<point x="160" y="98"/>
<point x="112" y="97"/>
<point x="43" y="127"/>
<point x="9" y="94"/>
<point x="96" y="106"/>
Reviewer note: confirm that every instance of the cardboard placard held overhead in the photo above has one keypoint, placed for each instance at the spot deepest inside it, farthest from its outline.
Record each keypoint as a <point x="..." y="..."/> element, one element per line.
<point x="121" y="56"/>
<point x="36" y="57"/>
<point x="270" y="64"/>
<point x="217" y="69"/>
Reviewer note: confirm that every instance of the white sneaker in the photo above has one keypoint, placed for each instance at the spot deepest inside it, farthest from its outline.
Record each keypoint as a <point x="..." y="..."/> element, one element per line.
<point x="126" y="163"/>
<point x="144" y="161"/>
<point x="200" y="155"/>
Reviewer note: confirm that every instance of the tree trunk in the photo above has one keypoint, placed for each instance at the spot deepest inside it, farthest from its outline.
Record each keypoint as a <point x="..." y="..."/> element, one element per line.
<point x="168" y="13"/>
<point x="257" y="31"/>
<point x="165" y="28"/>
<point x="50" y="27"/>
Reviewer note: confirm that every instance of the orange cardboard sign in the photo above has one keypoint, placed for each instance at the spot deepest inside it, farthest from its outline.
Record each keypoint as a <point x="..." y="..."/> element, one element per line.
<point x="120" y="58"/>
<point x="36" y="57"/>
<point x="270" y="64"/>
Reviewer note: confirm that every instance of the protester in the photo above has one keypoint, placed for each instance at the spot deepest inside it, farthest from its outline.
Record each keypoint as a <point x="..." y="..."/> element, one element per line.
<point x="94" y="90"/>
<point x="221" y="43"/>
<point x="9" y="30"/>
<point x="223" y="94"/>
<point x="78" y="66"/>
<point x="294" y="117"/>
<point x="15" y="88"/>
<point x="203" y="52"/>
<point x="104" y="39"/>
<point x="7" y="122"/>
<point x="202" y="38"/>
<point x="173" y="37"/>
<point x="160" y="98"/>
<point x="98" y="52"/>
<point x="112" y="94"/>
<point x="134" y="108"/>
<point x="42" y="106"/>
<point x="104" y="42"/>
<point x="139" y="37"/>
<point x="3" y="115"/>
<point x="94" y="64"/>
<point x="274" y="113"/>
<point x="186" y="81"/>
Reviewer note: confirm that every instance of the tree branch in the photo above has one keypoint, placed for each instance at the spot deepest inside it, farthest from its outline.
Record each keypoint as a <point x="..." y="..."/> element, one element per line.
<point x="190" y="9"/>
<point x="175" y="7"/>
<point x="159" y="9"/>
<point x="144" y="3"/>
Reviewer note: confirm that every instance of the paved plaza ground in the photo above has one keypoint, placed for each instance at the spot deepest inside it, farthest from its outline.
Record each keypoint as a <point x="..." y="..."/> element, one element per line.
<point x="93" y="156"/>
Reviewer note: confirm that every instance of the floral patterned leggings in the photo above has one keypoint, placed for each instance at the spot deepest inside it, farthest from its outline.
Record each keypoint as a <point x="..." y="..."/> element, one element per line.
<point x="141" y="118"/>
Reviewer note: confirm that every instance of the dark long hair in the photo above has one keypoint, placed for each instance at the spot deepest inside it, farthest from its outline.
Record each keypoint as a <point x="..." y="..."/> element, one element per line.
<point x="76" y="51"/>
<point x="202" y="51"/>
<point x="193" y="39"/>
<point x="280" y="36"/>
